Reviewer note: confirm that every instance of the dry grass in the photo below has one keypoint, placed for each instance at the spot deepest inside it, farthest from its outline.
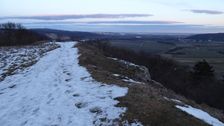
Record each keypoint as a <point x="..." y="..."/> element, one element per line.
<point x="146" y="104"/>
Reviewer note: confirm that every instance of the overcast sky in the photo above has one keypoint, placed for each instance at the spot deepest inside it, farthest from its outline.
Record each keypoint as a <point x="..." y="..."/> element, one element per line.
<point x="205" y="14"/>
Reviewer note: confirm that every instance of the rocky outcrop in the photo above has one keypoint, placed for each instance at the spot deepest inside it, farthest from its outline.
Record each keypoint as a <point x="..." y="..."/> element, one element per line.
<point x="143" y="74"/>
<point x="140" y="73"/>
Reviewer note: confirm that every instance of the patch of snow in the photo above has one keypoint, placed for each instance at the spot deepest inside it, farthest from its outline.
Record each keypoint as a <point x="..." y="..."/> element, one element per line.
<point x="116" y="75"/>
<point x="175" y="100"/>
<point x="15" y="59"/>
<point x="131" y="81"/>
<point x="166" y="98"/>
<point x="58" y="91"/>
<point x="113" y="58"/>
<point x="136" y="123"/>
<point x="200" y="114"/>
<point x="197" y="113"/>
<point x="126" y="79"/>
<point x="124" y="62"/>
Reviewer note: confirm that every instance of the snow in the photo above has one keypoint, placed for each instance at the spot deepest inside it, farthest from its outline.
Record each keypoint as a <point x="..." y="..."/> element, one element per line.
<point x="200" y="115"/>
<point x="124" y="62"/>
<point x="116" y="75"/>
<point x="126" y="79"/>
<point x="128" y="63"/>
<point x="197" y="113"/>
<point x="58" y="91"/>
<point x="131" y="81"/>
<point x="14" y="59"/>
<point x="175" y="100"/>
<point x="136" y="123"/>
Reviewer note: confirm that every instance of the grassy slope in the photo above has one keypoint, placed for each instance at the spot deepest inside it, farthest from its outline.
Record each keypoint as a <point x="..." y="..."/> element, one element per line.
<point x="145" y="103"/>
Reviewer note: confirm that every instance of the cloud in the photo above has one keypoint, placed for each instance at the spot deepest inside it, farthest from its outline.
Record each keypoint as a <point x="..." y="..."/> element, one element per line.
<point x="134" y="22"/>
<point x="117" y="22"/>
<point x="64" y="17"/>
<point x="213" y="12"/>
<point x="99" y="21"/>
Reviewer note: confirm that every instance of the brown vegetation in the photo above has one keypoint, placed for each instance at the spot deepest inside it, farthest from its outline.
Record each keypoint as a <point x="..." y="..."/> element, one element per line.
<point x="145" y="102"/>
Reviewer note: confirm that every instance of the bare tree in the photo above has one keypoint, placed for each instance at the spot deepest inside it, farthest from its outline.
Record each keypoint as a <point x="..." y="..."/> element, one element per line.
<point x="16" y="34"/>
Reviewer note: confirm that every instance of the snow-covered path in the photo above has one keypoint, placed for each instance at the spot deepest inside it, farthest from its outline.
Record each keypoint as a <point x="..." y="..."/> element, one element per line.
<point x="57" y="91"/>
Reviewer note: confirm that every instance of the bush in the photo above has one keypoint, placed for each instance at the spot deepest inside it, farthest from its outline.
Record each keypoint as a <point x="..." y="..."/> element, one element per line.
<point x="202" y="70"/>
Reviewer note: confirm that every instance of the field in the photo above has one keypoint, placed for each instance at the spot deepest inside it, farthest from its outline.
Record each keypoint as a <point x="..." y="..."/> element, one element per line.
<point x="183" y="51"/>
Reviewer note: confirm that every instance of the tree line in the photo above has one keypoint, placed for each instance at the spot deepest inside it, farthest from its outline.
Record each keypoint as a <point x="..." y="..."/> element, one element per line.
<point x="12" y="34"/>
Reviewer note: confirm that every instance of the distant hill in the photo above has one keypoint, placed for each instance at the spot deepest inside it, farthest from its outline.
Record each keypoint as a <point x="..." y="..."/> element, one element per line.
<point x="61" y="35"/>
<point x="208" y="37"/>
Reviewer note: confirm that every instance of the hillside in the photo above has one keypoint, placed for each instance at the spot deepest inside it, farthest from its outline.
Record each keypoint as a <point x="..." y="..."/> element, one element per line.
<point x="147" y="101"/>
<point x="208" y="37"/>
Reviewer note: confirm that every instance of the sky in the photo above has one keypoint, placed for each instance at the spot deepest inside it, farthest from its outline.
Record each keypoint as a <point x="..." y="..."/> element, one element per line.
<point x="187" y="16"/>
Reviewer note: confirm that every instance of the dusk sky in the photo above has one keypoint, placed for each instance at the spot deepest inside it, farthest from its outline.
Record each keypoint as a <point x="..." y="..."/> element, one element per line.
<point x="117" y="15"/>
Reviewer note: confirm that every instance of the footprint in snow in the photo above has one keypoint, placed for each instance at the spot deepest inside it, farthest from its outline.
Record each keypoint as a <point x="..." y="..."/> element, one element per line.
<point x="54" y="125"/>
<point x="69" y="86"/>
<point x="48" y="102"/>
<point x="96" y="110"/>
<point x="102" y="97"/>
<point x="59" y="118"/>
<point x="80" y="105"/>
<point x="75" y="95"/>
<point x="66" y="72"/>
<point x="68" y="91"/>
<point x="49" y="95"/>
<point x="67" y="80"/>
<point x="13" y="86"/>
<point x="84" y="78"/>
<point x="24" y="123"/>
<point x="36" y="110"/>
